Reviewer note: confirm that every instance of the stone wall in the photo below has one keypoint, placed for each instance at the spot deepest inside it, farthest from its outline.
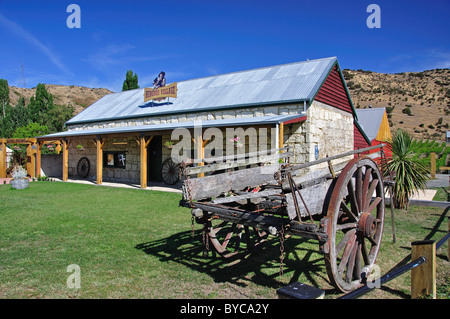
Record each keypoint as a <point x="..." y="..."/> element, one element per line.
<point x="326" y="128"/>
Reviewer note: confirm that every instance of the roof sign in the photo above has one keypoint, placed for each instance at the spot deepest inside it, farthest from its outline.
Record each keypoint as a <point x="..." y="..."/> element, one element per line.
<point x="160" y="93"/>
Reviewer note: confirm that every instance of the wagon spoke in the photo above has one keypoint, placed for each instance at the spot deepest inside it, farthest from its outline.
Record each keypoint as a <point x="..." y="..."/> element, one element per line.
<point x="345" y="226"/>
<point x="372" y="241"/>
<point x="364" y="253"/>
<point x="348" y="212"/>
<point x="357" y="268"/>
<point x="373" y="185"/>
<point x="351" y="261"/>
<point x="344" y="241"/>
<point x="374" y="204"/>
<point x="238" y="238"/>
<point x="228" y="236"/>
<point x="347" y="252"/>
<point x="358" y="188"/>
<point x="352" y="195"/>
<point x="365" y="188"/>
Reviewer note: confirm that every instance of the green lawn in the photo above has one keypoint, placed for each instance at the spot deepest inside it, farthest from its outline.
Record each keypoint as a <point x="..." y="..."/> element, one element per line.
<point x="132" y="243"/>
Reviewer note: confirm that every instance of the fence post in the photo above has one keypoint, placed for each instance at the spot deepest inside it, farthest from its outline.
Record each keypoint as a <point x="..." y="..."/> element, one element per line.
<point x="433" y="165"/>
<point x="423" y="277"/>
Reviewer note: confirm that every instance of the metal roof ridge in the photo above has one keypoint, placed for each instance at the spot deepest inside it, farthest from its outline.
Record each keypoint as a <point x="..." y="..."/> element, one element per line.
<point x="260" y="68"/>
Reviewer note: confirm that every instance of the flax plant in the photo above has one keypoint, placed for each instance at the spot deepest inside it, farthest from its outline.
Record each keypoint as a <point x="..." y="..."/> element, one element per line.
<point x="410" y="175"/>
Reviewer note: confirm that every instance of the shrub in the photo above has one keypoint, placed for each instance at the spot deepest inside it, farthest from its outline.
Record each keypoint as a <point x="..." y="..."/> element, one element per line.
<point x="407" y="111"/>
<point x="411" y="174"/>
<point x="18" y="172"/>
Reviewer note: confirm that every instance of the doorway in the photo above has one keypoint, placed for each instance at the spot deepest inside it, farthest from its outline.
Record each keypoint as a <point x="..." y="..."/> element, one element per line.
<point x="154" y="159"/>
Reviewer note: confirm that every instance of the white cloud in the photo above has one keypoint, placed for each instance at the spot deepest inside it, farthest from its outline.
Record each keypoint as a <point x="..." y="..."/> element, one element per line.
<point x="24" y="34"/>
<point x="417" y="61"/>
<point x="113" y="54"/>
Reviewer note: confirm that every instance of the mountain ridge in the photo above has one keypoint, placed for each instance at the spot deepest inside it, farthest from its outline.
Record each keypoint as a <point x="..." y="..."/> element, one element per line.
<point x="418" y="102"/>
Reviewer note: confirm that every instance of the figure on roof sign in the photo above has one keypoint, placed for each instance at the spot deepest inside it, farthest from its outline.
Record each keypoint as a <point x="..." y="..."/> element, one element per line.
<point x="160" y="91"/>
<point x="160" y="80"/>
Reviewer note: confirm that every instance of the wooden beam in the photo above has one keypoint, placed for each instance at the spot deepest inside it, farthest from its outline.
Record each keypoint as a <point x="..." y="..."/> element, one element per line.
<point x="143" y="144"/>
<point x="281" y="136"/>
<point x="423" y="277"/>
<point x="65" y="148"/>
<point x="31" y="159"/>
<point x="99" y="143"/>
<point x="2" y="158"/>
<point x="38" y="158"/>
<point x="433" y="165"/>
<point x="199" y="145"/>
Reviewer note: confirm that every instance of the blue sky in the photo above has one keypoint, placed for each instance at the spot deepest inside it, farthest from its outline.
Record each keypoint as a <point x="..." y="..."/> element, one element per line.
<point x="189" y="39"/>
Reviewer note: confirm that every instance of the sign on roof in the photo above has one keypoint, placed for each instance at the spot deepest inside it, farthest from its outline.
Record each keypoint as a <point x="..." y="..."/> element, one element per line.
<point x="160" y="93"/>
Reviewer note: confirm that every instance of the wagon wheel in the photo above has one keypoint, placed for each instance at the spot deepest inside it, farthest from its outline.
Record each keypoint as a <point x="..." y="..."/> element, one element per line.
<point x="227" y="239"/>
<point x="83" y="167"/>
<point x="355" y="221"/>
<point x="170" y="171"/>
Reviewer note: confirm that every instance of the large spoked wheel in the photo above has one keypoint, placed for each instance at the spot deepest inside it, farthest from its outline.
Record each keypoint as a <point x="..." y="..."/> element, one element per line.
<point x="354" y="225"/>
<point x="230" y="239"/>
<point x="170" y="172"/>
<point x="83" y="167"/>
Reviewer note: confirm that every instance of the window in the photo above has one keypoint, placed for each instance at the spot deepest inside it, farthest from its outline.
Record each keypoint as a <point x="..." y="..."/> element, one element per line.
<point x="114" y="159"/>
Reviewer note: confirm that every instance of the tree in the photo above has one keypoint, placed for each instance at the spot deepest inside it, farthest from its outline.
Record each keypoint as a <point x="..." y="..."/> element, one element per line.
<point x="40" y="105"/>
<point x="30" y="131"/>
<point x="410" y="174"/>
<point x="131" y="81"/>
<point x="15" y="117"/>
<point x="4" y="94"/>
<point x="58" y="116"/>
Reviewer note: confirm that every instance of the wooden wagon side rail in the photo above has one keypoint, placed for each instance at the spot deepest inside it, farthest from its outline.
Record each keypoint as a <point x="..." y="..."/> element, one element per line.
<point x="239" y="160"/>
<point x="330" y="158"/>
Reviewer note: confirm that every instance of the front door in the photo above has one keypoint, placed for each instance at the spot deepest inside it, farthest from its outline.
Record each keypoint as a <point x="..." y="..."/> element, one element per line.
<point x="154" y="156"/>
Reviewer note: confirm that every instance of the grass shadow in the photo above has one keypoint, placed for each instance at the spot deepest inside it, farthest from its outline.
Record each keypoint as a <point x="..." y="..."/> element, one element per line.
<point x="260" y="266"/>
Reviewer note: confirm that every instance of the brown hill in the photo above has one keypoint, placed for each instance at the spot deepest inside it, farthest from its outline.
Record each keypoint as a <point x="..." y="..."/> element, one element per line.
<point x="77" y="96"/>
<point x="417" y="102"/>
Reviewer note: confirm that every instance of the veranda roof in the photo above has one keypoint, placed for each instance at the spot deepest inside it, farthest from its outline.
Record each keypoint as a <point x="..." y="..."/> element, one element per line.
<point x="232" y="122"/>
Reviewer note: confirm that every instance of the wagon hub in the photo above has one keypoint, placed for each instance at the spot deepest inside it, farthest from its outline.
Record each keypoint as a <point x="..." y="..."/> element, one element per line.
<point x="367" y="224"/>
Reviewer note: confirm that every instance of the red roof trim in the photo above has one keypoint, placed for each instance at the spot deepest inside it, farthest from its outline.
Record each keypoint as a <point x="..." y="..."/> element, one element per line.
<point x="296" y="120"/>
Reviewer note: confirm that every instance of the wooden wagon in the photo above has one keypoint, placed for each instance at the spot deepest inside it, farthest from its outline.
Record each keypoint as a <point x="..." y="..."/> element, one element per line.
<point x="244" y="199"/>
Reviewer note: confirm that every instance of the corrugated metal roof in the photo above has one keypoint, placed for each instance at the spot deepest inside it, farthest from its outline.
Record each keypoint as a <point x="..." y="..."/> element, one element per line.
<point x="370" y="120"/>
<point x="285" y="83"/>
<point x="232" y="122"/>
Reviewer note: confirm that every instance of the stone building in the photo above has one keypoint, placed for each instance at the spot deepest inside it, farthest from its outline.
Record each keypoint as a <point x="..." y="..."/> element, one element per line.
<point x="305" y="105"/>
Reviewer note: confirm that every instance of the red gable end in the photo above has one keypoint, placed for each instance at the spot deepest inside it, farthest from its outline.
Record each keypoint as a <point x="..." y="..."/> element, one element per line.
<point x="333" y="93"/>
